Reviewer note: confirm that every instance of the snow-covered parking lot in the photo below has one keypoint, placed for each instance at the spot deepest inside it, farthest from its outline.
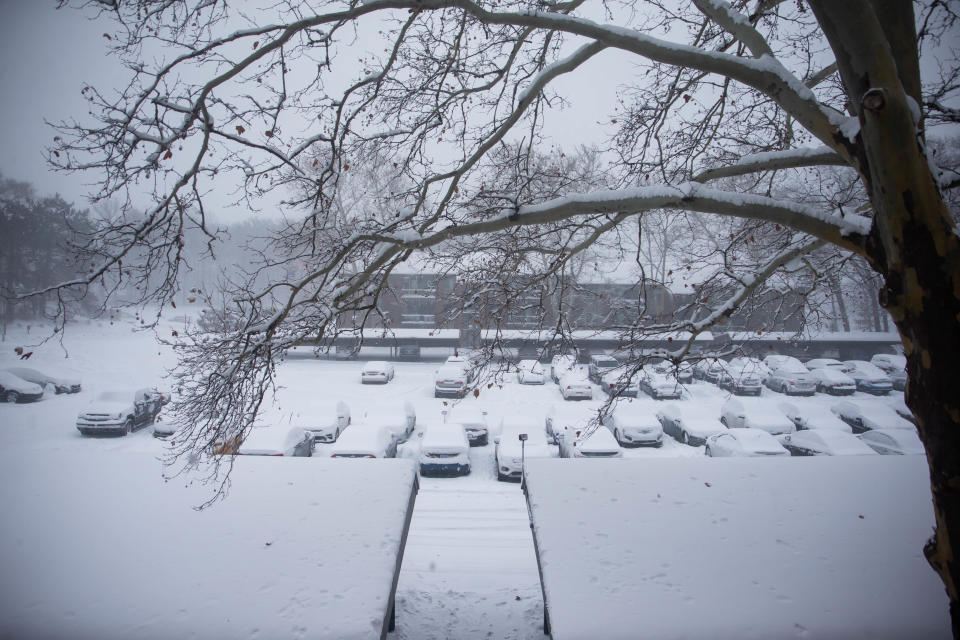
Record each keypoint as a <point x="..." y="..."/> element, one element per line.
<point x="469" y="570"/>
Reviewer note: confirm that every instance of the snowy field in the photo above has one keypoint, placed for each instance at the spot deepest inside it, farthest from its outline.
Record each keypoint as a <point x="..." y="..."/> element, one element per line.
<point x="469" y="569"/>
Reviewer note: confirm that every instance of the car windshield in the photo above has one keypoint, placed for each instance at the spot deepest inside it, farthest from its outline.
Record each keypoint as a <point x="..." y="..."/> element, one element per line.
<point x="115" y="396"/>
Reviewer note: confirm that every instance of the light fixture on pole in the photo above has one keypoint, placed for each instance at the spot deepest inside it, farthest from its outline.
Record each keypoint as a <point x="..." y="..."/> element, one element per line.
<point x="523" y="472"/>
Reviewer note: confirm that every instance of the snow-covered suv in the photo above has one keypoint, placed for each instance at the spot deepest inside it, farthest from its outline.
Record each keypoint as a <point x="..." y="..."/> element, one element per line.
<point x="121" y="412"/>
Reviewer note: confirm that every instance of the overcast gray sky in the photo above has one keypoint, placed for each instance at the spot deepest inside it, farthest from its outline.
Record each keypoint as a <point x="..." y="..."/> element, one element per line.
<point x="47" y="56"/>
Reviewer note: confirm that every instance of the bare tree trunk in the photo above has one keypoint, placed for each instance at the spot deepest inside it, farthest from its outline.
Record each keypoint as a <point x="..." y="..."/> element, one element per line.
<point x="911" y="244"/>
<point x="837" y="294"/>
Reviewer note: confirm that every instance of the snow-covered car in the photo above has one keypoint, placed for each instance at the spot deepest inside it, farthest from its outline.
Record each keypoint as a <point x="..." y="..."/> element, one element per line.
<point x="633" y="425"/>
<point x="863" y="416"/>
<point x="365" y="440"/>
<point x="833" y="381"/>
<point x="399" y="420"/>
<point x="376" y="372"/>
<point x="683" y="373"/>
<point x="903" y="410"/>
<point x="530" y="372"/>
<point x="617" y="383"/>
<point x="889" y="362"/>
<point x="277" y="441"/>
<point x="444" y="450"/>
<point x="510" y="451"/>
<point x="824" y="442"/>
<point x="326" y="420"/>
<point x="741" y="380"/>
<point x="792" y="378"/>
<point x="734" y="414"/>
<point x="163" y="428"/>
<point x="575" y="386"/>
<point x="739" y="442"/>
<point x="600" y="365"/>
<point x="62" y="384"/>
<point x="709" y="369"/>
<point x="560" y="365"/>
<point x="870" y="379"/>
<point x="898" y="379"/>
<point x="473" y="419"/>
<point x="16" y="389"/>
<point x="813" y="415"/>
<point x="825" y="363"/>
<point x="120" y="412"/>
<point x="774" y="360"/>
<point x="595" y="442"/>
<point x="450" y="380"/>
<point x="691" y="429"/>
<point x="562" y="416"/>
<point x="749" y="364"/>
<point x="893" y="441"/>
<point x="659" y="386"/>
<point x="466" y="363"/>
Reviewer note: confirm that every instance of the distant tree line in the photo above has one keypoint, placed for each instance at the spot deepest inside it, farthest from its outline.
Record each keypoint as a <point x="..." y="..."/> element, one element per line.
<point x="38" y="239"/>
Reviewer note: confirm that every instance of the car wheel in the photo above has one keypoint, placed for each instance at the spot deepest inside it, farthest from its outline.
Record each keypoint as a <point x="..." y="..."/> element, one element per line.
<point x="708" y="451"/>
<point x="128" y="426"/>
<point x="684" y="438"/>
<point x="723" y="421"/>
<point x="616" y="435"/>
<point x="11" y="396"/>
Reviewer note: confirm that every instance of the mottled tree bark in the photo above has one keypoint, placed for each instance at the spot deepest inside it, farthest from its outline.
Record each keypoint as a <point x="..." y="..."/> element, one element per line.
<point x="912" y="243"/>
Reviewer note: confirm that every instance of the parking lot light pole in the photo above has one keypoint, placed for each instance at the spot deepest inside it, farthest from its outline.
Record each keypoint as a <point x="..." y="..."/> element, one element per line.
<point x="523" y="472"/>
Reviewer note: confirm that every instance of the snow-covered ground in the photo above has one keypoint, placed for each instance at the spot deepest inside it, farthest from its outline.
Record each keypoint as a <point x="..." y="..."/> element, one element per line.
<point x="469" y="569"/>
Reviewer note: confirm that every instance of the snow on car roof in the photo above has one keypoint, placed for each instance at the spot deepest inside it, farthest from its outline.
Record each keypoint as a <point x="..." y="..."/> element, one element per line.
<point x="635" y="414"/>
<point x="265" y="438"/>
<point x="600" y="441"/>
<point x="754" y="438"/>
<point x="904" y="438"/>
<point x="606" y="563"/>
<point x="362" y="438"/>
<point x="466" y="413"/>
<point x="443" y="437"/>
<point x="836" y="442"/>
<point x="15" y="382"/>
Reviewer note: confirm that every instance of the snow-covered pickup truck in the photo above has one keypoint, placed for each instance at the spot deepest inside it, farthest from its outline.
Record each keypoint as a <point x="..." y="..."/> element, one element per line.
<point x="121" y="412"/>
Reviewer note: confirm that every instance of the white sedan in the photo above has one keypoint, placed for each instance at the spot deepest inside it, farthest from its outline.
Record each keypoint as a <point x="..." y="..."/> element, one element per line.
<point x="511" y="452"/>
<point x="530" y="372"/>
<point x="834" y="382"/>
<point x="377" y="372"/>
<point x="575" y="386"/>
<point x="16" y="389"/>
<point x="739" y="442"/>
<point x="633" y="426"/>
<point x="824" y="442"/>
